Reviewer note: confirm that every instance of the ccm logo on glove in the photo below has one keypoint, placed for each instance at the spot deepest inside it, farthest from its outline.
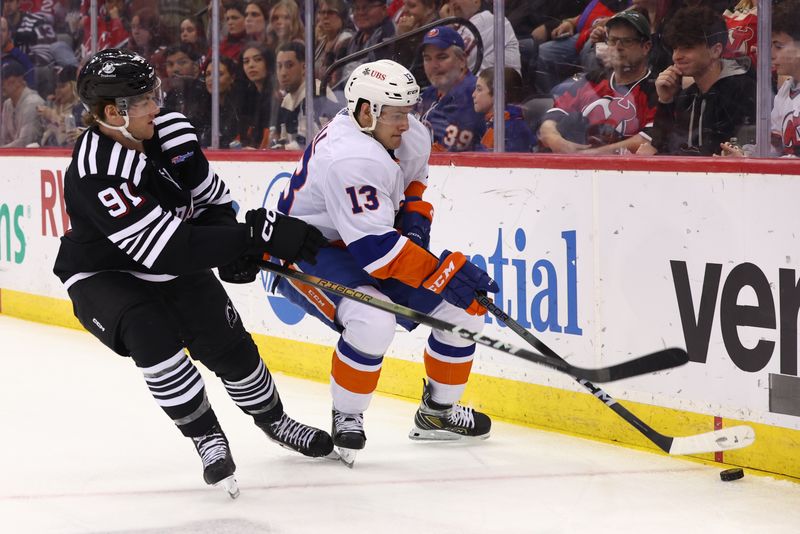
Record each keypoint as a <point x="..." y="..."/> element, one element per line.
<point x="266" y="231"/>
<point x="282" y="236"/>
<point x="457" y="281"/>
<point x="444" y="271"/>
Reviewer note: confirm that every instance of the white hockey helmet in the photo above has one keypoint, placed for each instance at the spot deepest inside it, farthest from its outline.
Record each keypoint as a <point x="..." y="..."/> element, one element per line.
<point x="381" y="83"/>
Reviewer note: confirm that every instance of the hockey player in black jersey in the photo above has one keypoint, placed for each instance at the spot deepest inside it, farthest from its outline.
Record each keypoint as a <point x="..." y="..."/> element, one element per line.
<point x="150" y="218"/>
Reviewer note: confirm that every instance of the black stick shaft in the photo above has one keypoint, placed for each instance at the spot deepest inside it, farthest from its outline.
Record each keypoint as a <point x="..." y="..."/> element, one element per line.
<point x="645" y="364"/>
<point x="663" y="442"/>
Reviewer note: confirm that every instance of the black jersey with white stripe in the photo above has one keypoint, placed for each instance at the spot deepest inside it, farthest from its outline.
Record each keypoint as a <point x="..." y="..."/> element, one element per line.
<point x="156" y="214"/>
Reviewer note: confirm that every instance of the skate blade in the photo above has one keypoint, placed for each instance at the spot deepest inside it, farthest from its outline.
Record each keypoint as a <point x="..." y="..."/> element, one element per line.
<point x="420" y="434"/>
<point x="347" y="456"/>
<point x="230" y="485"/>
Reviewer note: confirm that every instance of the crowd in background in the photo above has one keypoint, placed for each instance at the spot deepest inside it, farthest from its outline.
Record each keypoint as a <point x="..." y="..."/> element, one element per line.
<point x="581" y="76"/>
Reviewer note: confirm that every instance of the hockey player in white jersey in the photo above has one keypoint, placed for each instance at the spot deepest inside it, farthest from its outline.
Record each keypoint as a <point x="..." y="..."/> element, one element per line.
<point x="360" y="182"/>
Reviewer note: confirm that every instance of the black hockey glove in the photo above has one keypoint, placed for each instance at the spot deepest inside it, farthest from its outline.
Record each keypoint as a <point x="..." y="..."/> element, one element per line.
<point x="240" y="271"/>
<point x="282" y="236"/>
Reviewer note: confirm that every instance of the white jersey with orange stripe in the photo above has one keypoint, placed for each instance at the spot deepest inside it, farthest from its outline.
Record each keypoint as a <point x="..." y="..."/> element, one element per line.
<point x="350" y="187"/>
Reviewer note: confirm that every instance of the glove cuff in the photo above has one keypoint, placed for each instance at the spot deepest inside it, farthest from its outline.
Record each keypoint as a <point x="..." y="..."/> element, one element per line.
<point x="421" y="207"/>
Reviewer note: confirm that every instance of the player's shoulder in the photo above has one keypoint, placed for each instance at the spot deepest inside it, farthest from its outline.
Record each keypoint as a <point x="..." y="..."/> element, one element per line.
<point x="173" y="129"/>
<point x="416" y="141"/>
<point x="348" y="143"/>
<point x="98" y="156"/>
<point x="362" y="158"/>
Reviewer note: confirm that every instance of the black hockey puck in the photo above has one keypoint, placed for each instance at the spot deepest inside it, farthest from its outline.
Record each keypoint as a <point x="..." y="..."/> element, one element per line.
<point x="731" y="474"/>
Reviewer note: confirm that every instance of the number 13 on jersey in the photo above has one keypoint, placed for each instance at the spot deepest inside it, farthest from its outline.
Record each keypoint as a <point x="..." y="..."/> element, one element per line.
<point x="365" y="198"/>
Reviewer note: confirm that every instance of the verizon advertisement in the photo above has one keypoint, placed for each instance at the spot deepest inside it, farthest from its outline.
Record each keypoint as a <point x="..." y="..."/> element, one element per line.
<point x="601" y="265"/>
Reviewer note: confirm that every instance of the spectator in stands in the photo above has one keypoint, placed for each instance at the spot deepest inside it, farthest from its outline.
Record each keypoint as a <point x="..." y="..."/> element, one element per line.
<point x="742" y="23"/>
<point x="560" y="57"/>
<point x="414" y="14"/>
<point x="32" y="32"/>
<point x="229" y="105"/>
<point x="12" y="52"/>
<point x="111" y="31"/>
<point x="147" y="38"/>
<point x="21" y="124"/>
<point x="482" y="18"/>
<point x="519" y="137"/>
<point x="291" y="123"/>
<point x="696" y="120"/>
<point x="525" y="16"/>
<point x="285" y="24"/>
<point x="231" y="46"/>
<point x="659" y="12"/>
<point x="185" y="92"/>
<point x="172" y="12"/>
<point x="785" y="117"/>
<point x="446" y="106"/>
<point x="608" y="113"/>
<point x="255" y="20"/>
<point x="193" y="34"/>
<point x="333" y="35"/>
<point x="63" y="113"/>
<point x="260" y="103"/>
<point x="373" y="26"/>
<point x="145" y="32"/>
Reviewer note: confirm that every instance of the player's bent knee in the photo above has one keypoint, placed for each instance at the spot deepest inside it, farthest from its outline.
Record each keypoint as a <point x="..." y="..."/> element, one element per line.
<point x="366" y="329"/>
<point x="453" y="314"/>
<point x="234" y="363"/>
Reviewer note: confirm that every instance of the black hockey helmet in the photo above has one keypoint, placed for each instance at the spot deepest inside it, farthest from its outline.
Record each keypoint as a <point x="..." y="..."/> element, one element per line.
<point x="115" y="75"/>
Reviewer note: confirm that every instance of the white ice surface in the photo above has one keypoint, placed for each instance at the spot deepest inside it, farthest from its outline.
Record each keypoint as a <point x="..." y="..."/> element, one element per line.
<point x="83" y="448"/>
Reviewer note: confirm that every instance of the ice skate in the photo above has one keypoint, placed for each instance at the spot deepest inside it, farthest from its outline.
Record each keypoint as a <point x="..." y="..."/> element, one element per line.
<point x="447" y="422"/>
<point x="298" y="437"/>
<point x="348" y="435"/>
<point x="218" y="466"/>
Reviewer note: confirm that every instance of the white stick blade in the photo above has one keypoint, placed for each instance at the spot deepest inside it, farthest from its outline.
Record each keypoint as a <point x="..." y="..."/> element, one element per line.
<point x="726" y="439"/>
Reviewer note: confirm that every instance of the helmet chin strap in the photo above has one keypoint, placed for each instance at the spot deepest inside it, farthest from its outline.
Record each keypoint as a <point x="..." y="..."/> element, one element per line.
<point x="122" y="129"/>
<point x="367" y="129"/>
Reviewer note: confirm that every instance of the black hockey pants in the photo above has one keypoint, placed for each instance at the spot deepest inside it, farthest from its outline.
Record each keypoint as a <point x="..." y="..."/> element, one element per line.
<point x="152" y="322"/>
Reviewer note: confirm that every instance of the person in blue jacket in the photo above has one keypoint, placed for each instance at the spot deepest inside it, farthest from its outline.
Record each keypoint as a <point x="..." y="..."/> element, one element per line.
<point x="446" y="107"/>
<point x="519" y="137"/>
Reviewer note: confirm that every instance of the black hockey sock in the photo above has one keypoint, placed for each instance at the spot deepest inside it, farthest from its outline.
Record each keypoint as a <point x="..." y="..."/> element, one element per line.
<point x="178" y="388"/>
<point x="256" y="394"/>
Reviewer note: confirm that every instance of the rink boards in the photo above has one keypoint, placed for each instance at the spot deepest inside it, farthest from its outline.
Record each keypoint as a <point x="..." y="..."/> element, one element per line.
<point x="603" y="259"/>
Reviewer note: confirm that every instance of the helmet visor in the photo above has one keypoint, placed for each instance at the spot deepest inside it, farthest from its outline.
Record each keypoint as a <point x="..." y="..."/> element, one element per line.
<point x="140" y="105"/>
<point x="395" y="116"/>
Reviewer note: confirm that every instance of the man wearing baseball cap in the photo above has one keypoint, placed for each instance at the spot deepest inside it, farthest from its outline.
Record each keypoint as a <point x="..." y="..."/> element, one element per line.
<point x="21" y="124"/>
<point x="608" y="113"/>
<point x="446" y="105"/>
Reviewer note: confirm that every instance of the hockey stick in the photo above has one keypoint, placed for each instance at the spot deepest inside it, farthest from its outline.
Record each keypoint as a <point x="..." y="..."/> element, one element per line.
<point x="663" y="359"/>
<point x="725" y="439"/>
